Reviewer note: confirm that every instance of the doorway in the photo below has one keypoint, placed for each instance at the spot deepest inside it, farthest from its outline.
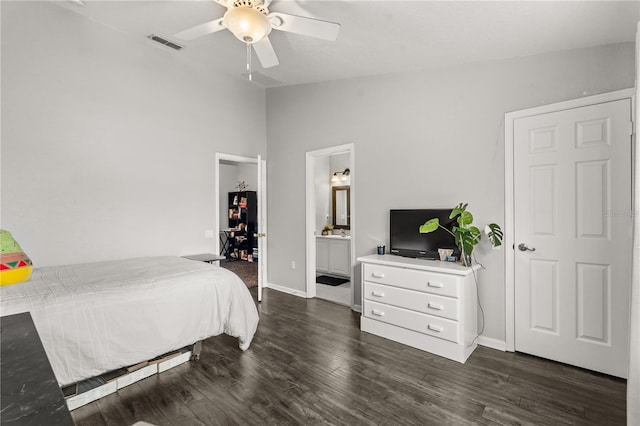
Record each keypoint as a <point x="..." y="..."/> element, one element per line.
<point x="330" y="224"/>
<point x="568" y="217"/>
<point x="241" y="216"/>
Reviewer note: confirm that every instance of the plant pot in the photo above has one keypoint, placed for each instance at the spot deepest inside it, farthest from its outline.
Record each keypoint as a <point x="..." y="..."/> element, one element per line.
<point x="465" y="260"/>
<point x="325" y="232"/>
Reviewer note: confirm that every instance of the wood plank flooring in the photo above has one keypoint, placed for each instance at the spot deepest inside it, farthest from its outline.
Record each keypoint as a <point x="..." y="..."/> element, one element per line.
<point x="309" y="364"/>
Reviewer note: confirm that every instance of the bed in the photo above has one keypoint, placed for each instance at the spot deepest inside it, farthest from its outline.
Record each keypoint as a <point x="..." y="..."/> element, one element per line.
<point x="98" y="317"/>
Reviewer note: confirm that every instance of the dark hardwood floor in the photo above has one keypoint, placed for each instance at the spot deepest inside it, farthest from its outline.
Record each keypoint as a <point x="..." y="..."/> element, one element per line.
<point x="310" y="364"/>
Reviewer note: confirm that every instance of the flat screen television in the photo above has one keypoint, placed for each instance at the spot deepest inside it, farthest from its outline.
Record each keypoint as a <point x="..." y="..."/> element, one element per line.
<point x="406" y="240"/>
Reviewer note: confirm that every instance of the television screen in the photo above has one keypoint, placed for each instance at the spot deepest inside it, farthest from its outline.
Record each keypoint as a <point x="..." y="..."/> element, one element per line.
<point x="406" y="240"/>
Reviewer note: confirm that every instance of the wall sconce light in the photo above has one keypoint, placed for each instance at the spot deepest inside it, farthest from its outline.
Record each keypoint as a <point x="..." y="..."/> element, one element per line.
<point x="342" y="176"/>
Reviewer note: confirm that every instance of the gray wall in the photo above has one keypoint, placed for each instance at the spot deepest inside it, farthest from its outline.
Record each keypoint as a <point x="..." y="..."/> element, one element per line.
<point x="425" y="139"/>
<point x="109" y="141"/>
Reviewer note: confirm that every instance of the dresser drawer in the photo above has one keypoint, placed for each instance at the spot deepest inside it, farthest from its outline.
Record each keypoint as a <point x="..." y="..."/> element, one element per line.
<point x="416" y="321"/>
<point x="427" y="303"/>
<point x="412" y="279"/>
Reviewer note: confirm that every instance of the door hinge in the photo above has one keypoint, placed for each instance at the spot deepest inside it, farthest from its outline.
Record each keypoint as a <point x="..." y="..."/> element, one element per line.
<point x="630" y="127"/>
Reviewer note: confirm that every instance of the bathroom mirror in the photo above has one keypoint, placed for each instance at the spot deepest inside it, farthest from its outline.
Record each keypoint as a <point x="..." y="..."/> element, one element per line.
<point x="341" y="207"/>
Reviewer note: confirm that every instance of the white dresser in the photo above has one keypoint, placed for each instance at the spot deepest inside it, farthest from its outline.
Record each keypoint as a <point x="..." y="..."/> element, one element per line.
<point x="427" y="304"/>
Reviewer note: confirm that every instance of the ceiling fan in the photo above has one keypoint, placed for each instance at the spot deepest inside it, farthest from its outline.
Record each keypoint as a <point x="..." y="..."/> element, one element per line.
<point x="251" y="22"/>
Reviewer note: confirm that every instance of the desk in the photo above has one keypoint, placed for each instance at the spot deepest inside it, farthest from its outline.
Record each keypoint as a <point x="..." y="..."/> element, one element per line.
<point x="30" y="392"/>
<point x="226" y="241"/>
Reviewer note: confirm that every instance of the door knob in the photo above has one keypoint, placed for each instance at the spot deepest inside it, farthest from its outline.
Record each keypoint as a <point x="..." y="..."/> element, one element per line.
<point x="523" y="247"/>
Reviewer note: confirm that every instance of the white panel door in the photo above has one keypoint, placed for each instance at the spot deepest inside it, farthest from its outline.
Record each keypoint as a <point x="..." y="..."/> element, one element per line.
<point x="261" y="237"/>
<point x="572" y="192"/>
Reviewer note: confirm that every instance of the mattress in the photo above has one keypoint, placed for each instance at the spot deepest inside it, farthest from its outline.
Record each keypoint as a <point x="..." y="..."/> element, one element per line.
<point x="97" y="317"/>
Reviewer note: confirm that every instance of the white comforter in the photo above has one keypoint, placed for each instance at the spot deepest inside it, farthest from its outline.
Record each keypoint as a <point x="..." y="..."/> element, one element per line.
<point x="98" y="317"/>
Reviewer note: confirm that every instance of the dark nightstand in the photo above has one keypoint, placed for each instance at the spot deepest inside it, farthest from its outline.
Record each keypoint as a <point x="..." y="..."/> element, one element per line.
<point x="205" y="257"/>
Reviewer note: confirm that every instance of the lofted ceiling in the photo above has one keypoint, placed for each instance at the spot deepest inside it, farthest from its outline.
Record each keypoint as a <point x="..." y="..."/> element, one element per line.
<point x="377" y="37"/>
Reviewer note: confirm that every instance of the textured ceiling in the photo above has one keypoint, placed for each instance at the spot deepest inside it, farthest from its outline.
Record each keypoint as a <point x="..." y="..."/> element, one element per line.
<point x="378" y="37"/>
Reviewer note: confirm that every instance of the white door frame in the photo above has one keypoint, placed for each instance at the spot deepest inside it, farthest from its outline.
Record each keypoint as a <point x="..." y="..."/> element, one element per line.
<point x="509" y="218"/>
<point x="311" y="156"/>
<point x="262" y="207"/>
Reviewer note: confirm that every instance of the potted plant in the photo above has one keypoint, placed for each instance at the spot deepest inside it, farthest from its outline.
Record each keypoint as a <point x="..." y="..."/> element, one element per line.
<point x="466" y="235"/>
<point x="327" y="230"/>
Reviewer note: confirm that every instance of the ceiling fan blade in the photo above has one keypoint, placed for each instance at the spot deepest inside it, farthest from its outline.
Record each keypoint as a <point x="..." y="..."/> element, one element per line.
<point x="266" y="54"/>
<point x="201" y="30"/>
<point x="307" y="26"/>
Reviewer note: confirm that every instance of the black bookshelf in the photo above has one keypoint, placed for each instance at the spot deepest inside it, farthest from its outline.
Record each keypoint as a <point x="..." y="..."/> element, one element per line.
<point x="243" y="217"/>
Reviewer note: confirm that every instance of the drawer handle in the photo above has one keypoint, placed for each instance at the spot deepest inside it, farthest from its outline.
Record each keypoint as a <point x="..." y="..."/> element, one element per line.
<point x="377" y="293"/>
<point x="435" y="306"/>
<point x="377" y="312"/>
<point x="434" y="284"/>
<point x="377" y="275"/>
<point x="435" y="328"/>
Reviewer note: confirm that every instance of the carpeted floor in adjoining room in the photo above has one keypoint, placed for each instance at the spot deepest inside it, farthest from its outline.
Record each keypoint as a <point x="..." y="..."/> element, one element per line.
<point x="247" y="271"/>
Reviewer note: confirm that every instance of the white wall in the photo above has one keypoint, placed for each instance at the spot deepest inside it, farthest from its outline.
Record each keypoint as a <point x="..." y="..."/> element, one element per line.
<point x="228" y="182"/>
<point x="108" y="141"/>
<point x="247" y="173"/>
<point x="339" y="162"/>
<point x="424" y="139"/>
<point x="322" y="192"/>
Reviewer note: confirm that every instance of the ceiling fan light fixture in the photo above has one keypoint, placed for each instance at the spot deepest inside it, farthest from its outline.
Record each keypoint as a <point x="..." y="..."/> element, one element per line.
<point x="247" y="24"/>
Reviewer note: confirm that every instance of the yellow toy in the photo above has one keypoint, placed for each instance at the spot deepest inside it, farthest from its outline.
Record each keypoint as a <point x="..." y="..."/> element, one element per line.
<point x="15" y="266"/>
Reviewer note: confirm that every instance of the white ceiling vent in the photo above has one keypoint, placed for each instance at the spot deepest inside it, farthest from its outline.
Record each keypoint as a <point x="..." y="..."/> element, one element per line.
<point x="165" y="42"/>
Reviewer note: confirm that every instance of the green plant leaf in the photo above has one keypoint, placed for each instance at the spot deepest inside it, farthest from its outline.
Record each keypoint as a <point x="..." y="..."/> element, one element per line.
<point x="429" y="226"/>
<point x="465" y="242"/>
<point x="495" y="234"/>
<point x="465" y="218"/>
<point x="457" y="210"/>
<point x="467" y="235"/>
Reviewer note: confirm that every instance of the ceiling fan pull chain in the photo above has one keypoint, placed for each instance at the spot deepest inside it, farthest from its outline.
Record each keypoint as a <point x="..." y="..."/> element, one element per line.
<point x="249" y="60"/>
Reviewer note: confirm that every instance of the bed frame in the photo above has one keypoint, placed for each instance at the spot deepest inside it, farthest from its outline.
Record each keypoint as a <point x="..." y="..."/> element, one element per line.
<point x="196" y="350"/>
<point x="89" y="390"/>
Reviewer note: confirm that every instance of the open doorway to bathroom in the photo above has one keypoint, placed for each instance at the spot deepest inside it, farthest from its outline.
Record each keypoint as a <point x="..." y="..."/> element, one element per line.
<point x="330" y="224"/>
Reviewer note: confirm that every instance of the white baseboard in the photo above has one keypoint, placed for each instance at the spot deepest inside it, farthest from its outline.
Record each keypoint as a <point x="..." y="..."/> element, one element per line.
<point x="489" y="342"/>
<point x="287" y="290"/>
<point x="303" y="294"/>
